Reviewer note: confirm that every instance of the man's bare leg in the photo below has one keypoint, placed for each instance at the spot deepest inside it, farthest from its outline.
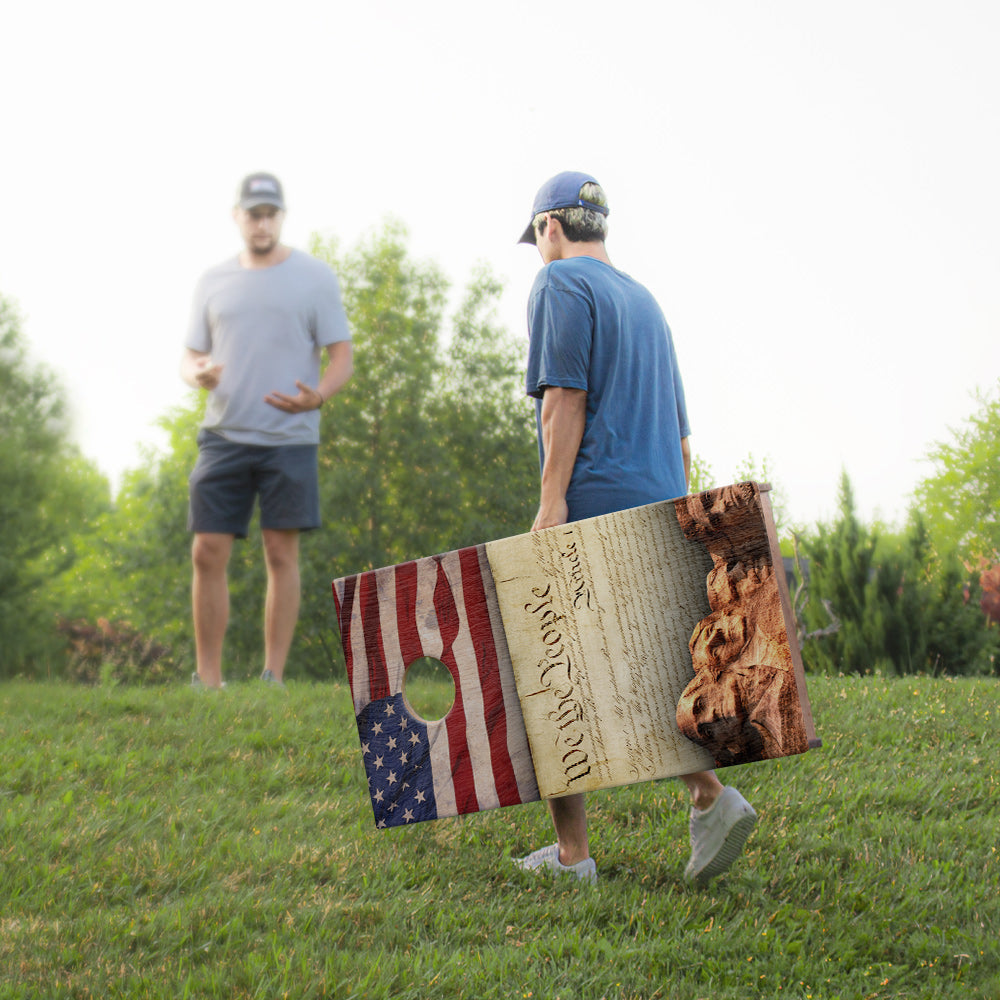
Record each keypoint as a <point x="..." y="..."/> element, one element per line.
<point x="281" y="610"/>
<point x="569" y="814"/>
<point x="704" y="787"/>
<point x="210" y="602"/>
<point x="569" y="817"/>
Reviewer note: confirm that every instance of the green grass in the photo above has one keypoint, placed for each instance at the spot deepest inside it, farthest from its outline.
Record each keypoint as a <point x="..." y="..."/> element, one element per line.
<point x="172" y="843"/>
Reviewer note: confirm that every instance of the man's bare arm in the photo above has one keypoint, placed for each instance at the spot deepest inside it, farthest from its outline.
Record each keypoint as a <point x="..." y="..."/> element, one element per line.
<point x="198" y="370"/>
<point x="564" y="417"/>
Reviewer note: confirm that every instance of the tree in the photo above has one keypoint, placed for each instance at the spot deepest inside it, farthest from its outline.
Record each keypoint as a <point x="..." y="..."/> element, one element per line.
<point x="133" y="566"/>
<point x="49" y="490"/>
<point x="961" y="500"/>
<point x="429" y="447"/>
<point x="489" y="423"/>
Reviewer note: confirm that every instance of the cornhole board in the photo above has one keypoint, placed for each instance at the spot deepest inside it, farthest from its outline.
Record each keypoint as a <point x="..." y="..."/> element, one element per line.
<point x="639" y="645"/>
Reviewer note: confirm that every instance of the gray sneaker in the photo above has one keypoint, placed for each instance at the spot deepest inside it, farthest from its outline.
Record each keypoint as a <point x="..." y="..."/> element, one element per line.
<point x="718" y="835"/>
<point x="196" y="682"/>
<point x="547" y="859"/>
<point x="268" y="678"/>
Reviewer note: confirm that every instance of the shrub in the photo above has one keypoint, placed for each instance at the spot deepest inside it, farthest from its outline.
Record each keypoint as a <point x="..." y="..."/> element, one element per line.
<point x="115" y="652"/>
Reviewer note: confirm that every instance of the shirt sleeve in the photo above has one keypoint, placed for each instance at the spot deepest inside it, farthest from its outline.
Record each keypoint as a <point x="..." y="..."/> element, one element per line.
<point x="331" y="324"/>
<point x="199" y="332"/>
<point x="682" y="417"/>
<point x="560" y="325"/>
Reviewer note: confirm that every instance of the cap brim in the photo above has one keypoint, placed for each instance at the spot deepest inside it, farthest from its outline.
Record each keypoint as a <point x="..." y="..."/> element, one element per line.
<point x="528" y="236"/>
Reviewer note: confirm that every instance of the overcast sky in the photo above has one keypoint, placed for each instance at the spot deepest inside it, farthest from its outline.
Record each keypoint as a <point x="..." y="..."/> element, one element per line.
<point x="810" y="190"/>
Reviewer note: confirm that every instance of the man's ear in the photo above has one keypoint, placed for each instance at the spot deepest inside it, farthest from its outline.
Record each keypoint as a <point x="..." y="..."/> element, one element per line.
<point x="553" y="231"/>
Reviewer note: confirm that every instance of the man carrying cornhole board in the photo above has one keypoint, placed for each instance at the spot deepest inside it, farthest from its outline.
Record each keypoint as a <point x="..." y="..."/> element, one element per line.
<point x="613" y="434"/>
<point x="628" y="636"/>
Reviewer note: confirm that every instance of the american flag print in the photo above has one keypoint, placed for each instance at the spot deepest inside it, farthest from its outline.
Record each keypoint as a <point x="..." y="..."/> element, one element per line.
<point x="476" y="757"/>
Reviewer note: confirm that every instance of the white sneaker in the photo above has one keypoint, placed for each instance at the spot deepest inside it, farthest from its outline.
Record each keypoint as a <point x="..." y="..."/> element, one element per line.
<point x="547" y="858"/>
<point x="718" y="835"/>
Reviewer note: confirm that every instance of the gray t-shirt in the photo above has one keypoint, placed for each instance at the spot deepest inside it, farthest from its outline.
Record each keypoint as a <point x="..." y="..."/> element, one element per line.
<point x="266" y="327"/>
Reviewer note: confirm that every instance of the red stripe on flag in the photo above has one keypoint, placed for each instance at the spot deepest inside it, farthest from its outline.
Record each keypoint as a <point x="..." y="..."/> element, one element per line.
<point x="461" y="762"/>
<point x="371" y="628"/>
<point x="410" y="646"/>
<point x="345" y="609"/>
<point x="483" y="642"/>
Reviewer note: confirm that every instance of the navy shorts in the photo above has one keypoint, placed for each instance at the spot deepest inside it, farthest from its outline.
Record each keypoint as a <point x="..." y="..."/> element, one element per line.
<point x="229" y="476"/>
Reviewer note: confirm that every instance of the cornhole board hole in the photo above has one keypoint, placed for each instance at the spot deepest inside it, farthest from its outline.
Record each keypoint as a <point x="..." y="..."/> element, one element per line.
<point x="638" y="645"/>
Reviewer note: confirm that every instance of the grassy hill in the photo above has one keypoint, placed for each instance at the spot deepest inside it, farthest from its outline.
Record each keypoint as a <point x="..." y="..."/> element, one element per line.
<point x="173" y="843"/>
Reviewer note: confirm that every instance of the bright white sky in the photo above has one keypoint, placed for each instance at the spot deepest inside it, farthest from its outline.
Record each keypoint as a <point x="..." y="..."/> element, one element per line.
<point x="812" y="191"/>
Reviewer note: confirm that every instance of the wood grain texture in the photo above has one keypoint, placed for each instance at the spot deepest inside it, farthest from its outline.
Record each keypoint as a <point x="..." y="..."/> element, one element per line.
<point x="744" y="703"/>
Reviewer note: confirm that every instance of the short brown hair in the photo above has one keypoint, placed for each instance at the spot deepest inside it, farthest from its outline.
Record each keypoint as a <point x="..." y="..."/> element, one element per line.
<point x="580" y="224"/>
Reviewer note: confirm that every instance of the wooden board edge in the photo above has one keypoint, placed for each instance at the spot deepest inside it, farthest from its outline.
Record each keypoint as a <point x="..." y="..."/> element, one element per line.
<point x="763" y="490"/>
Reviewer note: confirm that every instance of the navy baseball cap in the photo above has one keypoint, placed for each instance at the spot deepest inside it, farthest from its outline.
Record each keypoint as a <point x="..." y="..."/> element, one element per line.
<point x="261" y="189"/>
<point x="561" y="191"/>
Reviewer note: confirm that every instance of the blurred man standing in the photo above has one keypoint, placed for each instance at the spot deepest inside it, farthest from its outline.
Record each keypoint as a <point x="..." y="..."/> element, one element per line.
<point x="259" y="324"/>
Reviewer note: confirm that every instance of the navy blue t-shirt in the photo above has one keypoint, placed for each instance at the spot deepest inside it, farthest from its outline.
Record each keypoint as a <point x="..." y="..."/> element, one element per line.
<point x="594" y="328"/>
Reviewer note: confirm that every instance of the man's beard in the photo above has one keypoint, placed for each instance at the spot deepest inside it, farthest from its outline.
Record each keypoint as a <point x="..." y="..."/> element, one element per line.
<point x="263" y="249"/>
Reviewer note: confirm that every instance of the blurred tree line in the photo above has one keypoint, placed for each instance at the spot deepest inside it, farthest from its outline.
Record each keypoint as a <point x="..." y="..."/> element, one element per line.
<point x="47" y="491"/>
<point x="430" y="447"/>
